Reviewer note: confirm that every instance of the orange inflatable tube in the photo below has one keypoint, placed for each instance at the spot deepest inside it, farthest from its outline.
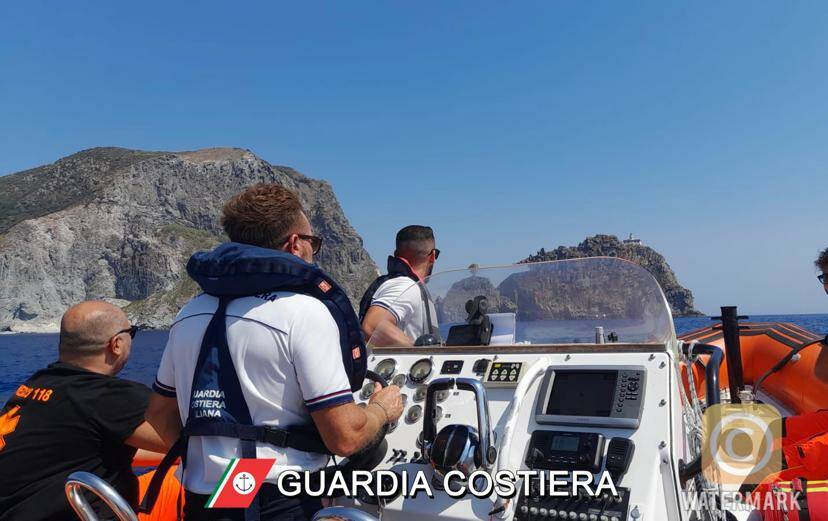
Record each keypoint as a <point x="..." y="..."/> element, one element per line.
<point x="170" y="503"/>
<point x="801" y="385"/>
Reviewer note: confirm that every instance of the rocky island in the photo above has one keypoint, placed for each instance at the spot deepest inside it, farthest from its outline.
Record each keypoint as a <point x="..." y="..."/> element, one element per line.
<point x="119" y="224"/>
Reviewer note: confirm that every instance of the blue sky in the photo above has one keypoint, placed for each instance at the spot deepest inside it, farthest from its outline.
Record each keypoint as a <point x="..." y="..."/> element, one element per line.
<point x="508" y="126"/>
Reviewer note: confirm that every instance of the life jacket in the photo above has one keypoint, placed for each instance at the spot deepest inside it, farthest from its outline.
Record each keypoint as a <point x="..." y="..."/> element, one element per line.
<point x="236" y="270"/>
<point x="396" y="268"/>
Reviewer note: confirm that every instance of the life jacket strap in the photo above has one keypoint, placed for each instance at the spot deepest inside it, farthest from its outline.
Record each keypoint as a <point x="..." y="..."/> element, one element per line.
<point x="178" y="449"/>
<point x="298" y="438"/>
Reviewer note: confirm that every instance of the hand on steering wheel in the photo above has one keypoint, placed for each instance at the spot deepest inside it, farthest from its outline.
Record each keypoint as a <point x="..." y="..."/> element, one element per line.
<point x="387" y="398"/>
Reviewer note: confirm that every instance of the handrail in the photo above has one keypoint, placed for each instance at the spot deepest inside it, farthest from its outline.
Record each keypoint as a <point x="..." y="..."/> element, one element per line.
<point x="77" y="481"/>
<point x="343" y="513"/>
<point x="711" y="370"/>
<point x="693" y="467"/>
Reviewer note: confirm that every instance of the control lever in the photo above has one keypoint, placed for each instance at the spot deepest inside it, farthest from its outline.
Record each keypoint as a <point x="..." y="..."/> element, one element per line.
<point x="478" y="451"/>
<point x="619" y="456"/>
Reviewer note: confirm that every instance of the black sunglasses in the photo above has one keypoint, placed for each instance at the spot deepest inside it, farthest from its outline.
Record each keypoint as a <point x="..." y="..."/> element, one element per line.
<point x="821" y="278"/>
<point x="315" y="242"/>
<point x="436" y="253"/>
<point x="132" y="330"/>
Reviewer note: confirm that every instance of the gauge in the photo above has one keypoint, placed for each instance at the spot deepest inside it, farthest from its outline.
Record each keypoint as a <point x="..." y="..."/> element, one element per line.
<point x="420" y="440"/>
<point x="420" y="393"/>
<point x="404" y="398"/>
<point x="386" y="368"/>
<point x="441" y="396"/>
<point x="392" y="427"/>
<point x="399" y="380"/>
<point x="414" y="414"/>
<point x="438" y="413"/>
<point x="367" y="390"/>
<point x="420" y="371"/>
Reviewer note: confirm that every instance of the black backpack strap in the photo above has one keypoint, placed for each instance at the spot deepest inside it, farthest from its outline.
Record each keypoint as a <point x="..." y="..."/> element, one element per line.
<point x="368" y="296"/>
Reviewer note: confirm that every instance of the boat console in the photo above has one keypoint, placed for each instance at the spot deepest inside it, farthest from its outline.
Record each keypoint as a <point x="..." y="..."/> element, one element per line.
<point x="556" y="406"/>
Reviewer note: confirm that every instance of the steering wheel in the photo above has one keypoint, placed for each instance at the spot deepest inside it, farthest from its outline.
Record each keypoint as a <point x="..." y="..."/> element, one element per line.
<point x="372" y="455"/>
<point x="368" y="457"/>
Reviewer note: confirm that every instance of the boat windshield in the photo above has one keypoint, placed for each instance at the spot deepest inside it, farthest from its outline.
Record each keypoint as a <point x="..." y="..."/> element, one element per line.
<point x="589" y="300"/>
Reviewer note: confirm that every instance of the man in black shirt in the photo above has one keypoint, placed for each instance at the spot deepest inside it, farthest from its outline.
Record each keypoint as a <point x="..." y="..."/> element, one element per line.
<point x="74" y="415"/>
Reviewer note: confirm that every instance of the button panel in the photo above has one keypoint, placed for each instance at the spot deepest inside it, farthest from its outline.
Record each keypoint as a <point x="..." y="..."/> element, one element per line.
<point x="503" y="374"/>
<point x="540" y="504"/>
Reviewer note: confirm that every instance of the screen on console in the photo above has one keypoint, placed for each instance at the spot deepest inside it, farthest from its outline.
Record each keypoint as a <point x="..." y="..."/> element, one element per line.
<point x="582" y="393"/>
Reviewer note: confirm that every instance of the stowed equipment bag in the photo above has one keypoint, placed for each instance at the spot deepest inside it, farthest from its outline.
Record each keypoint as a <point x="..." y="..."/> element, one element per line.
<point x="231" y="271"/>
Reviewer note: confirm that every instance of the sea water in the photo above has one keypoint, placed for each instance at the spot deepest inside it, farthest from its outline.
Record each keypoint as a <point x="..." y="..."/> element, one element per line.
<point x="23" y="354"/>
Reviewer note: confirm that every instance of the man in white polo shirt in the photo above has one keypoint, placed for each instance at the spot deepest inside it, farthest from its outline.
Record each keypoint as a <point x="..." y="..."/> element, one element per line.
<point x="396" y="309"/>
<point x="276" y="341"/>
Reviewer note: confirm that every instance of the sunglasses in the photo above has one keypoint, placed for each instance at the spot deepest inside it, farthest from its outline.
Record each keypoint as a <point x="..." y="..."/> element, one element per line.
<point x="132" y="330"/>
<point x="436" y="253"/>
<point x="821" y="278"/>
<point x="315" y="242"/>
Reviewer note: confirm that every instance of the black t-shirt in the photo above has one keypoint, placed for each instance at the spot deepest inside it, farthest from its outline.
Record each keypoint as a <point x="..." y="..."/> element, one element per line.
<point x="61" y="420"/>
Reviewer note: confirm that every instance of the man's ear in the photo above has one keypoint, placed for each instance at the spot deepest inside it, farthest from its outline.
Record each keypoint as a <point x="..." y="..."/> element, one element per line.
<point x="116" y="346"/>
<point x="293" y="244"/>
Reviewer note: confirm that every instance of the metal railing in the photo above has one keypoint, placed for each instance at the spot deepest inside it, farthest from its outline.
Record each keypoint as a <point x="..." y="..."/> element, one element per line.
<point x="77" y="482"/>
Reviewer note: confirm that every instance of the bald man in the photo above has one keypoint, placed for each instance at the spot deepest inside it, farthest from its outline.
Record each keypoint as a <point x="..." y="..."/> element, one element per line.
<point x="74" y="415"/>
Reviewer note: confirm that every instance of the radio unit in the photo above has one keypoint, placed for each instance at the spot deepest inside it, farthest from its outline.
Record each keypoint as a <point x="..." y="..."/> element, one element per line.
<point x="593" y="396"/>
<point x="560" y="450"/>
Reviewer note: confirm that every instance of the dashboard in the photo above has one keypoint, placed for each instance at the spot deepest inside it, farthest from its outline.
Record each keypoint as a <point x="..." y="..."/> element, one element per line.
<point x="585" y="407"/>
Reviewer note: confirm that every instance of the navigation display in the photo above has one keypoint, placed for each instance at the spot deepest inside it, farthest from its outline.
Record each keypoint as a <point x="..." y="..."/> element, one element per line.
<point x="582" y="393"/>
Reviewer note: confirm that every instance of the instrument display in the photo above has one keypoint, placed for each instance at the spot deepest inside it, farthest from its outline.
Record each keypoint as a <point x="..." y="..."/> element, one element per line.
<point x="414" y="413"/>
<point x="595" y="396"/>
<point x="582" y="393"/>
<point x="420" y="371"/>
<point x="367" y="390"/>
<point x="399" y="380"/>
<point x="564" y="443"/>
<point x="386" y="368"/>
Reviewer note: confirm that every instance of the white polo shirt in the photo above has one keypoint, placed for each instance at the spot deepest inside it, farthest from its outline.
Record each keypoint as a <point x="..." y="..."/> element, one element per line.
<point x="285" y="348"/>
<point x="403" y="298"/>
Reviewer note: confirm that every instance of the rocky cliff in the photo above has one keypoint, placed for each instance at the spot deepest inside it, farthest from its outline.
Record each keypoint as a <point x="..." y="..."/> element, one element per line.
<point x="120" y="225"/>
<point x="680" y="298"/>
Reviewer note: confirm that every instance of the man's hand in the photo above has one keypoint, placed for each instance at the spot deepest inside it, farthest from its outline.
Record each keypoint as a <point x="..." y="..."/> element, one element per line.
<point x="389" y="399"/>
<point x="347" y="428"/>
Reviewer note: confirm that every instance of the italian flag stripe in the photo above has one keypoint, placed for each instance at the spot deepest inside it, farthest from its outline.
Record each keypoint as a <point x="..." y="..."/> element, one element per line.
<point x="222" y="482"/>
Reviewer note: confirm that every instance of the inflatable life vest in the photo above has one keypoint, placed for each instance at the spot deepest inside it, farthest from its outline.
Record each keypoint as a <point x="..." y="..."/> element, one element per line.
<point x="396" y="268"/>
<point x="235" y="270"/>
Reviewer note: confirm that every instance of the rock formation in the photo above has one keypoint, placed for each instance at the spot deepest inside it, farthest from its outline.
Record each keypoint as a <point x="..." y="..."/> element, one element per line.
<point x="680" y="298"/>
<point x="118" y="224"/>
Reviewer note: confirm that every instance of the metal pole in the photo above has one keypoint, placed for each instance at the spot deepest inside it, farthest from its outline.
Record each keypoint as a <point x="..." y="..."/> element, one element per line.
<point x="733" y="351"/>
